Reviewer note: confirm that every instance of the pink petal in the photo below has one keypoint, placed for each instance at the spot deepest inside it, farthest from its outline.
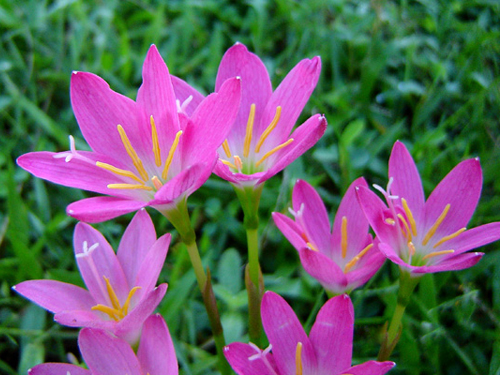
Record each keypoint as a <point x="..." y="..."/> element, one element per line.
<point x="290" y="229"/>
<point x="323" y="269"/>
<point x="58" y="369"/>
<point x="97" y="209"/>
<point x="96" y="260"/>
<point x="84" y="318"/>
<point x="454" y="263"/>
<point x="370" y="368"/>
<point x="238" y="354"/>
<point x="332" y="333"/>
<point x="394" y="257"/>
<point x="473" y="238"/>
<point x="211" y="123"/>
<point x="183" y="91"/>
<point x="156" y="351"/>
<point x="255" y="84"/>
<point x="135" y="244"/>
<point x="406" y="183"/>
<point x="150" y="268"/>
<point x="224" y="172"/>
<point x="461" y="189"/>
<point x="55" y="296"/>
<point x="284" y="332"/>
<point x="292" y="95"/>
<point x="364" y="270"/>
<point x="315" y="218"/>
<point x="107" y="355"/>
<point x="305" y="136"/>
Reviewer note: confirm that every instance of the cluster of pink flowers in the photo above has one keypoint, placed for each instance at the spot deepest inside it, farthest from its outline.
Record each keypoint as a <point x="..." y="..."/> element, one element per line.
<point x="159" y="149"/>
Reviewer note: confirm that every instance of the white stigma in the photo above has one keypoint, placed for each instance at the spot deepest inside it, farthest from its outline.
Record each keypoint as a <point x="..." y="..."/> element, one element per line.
<point x="68" y="155"/>
<point x="86" y="250"/>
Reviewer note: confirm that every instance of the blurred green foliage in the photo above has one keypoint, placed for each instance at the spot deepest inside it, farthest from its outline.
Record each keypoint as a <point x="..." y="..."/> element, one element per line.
<point x="425" y="72"/>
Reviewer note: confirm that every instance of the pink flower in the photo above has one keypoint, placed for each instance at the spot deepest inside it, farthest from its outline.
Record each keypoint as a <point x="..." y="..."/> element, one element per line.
<point x="121" y="288"/>
<point x="146" y="152"/>
<point x="259" y="144"/>
<point x="340" y="261"/>
<point x="106" y="354"/>
<point x="428" y="236"/>
<point x="327" y="350"/>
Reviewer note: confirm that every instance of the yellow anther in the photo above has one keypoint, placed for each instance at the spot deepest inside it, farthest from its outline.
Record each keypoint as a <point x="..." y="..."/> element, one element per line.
<point x="131" y="152"/>
<point x="356" y="259"/>
<point x="436" y="253"/>
<point x="228" y="163"/>
<point x="408" y="232"/>
<point x="343" y="237"/>
<point x="117" y="312"/>
<point x="411" y="248"/>
<point x="449" y="237"/>
<point x="269" y="129"/>
<point x="129" y="297"/>
<point x="390" y="221"/>
<point x="248" y="134"/>
<point x="298" y="359"/>
<point x="410" y="217"/>
<point x="436" y="225"/>
<point x="269" y="153"/>
<point x="304" y="237"/>
<point x="112" y="313"/>
<point x="130" y="187"/>
<point x="118" y="171"/>
<point x="112" y="295"/>
<point x="225" y="146"/>
<point x="238" y="163"/>
<point x="170" y="156"/>
<point x="157" y="183"/>
<point x="311" y="246"/>
<point x="156" y="144"/>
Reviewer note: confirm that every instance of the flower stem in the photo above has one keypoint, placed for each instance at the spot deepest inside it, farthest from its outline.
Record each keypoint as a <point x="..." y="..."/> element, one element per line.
<point x="253" y="255"/>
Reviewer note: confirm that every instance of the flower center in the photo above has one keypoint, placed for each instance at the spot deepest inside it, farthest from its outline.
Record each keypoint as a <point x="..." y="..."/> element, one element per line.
<point x="116" y="311"/>
<point x="249" y="166"/>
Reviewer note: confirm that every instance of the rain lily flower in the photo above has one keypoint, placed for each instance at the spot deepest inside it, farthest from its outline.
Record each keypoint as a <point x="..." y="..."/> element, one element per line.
<point x="106" y="354"/>
<point x="428" y="236"/>
<point x="121" y="287"/>
<point x="327" y="350"/>
<point x="146" y="152"/>
<point x="341" y="260"/>
<point x="259" y="144"/>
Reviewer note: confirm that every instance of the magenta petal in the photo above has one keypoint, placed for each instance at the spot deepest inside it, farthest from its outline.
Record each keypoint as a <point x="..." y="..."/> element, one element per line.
<point x="394" y="257"/>
<point x="55" y="296"/>
<point x="97" y="209"/>
<point x="454" y="263"/>
<point x="138" y="238"/>
<point x="290" y="230"/>
<point x="369" y="264"/>
<point x="156" y="351"/>
<point x="238" y="355"/>
<point x="332" y="333"/>
<point x="183" y="91"/>
<point x="58" y="369"/>
<point x="84" y="318"/>
<point x="105" y="354"/>
<point x="461" y="189"/>
<point x="224" y="172"/>
<point x="370" y="368"/>
<point x="151" y="266"/>
<point x="406" y="183"/>
<point x="474" y="238"/>
<point x="284" y="332"/>
<point x="323" y="269"/>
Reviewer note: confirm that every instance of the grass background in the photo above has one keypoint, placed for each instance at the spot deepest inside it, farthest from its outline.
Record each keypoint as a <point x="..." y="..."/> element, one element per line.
<point x="425" y="72"/>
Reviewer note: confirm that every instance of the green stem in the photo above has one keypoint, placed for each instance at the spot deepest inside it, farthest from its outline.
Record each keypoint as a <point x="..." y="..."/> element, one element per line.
<point x="253" y="255"/>
<point x="194" y="256"/>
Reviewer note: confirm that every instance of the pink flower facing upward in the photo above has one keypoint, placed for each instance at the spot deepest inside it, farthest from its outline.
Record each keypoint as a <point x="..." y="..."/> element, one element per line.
<point x="144" y="152"/>
<point x="428" y="236"/>
<point x="259" y="144"/>
<point x="121" y="287"/>
<point x="327" y="350"/>
<point x="340" y="261"/>
<point x="106" y="354"/>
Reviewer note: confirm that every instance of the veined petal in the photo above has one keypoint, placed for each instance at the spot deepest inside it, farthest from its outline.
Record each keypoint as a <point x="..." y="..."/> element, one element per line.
<point x="323" y="269"/>
<point x="453" y="263"/>
<point x="332" y="334"/>
<point x="370" y="368"/>
<point x="151" y="266"/>
<point x="58" y="369"/>
<point x="183" y="91"/>
<point x="284" y="332"/>
<point x="55" y="296"/>
<point x="84" y="318"/>
<point x="135" y="244"/>
<point x="97" y="209"/>
<point x="238" y="355"/>
<point x="155" y="339"/>
<point x="105" y="354"/>
<point x="290" y="229"/>
<point x="406" y="183"/>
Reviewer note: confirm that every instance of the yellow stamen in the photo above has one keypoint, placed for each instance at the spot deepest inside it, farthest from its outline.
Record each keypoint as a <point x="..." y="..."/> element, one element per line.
<point x="298" y="359"/>
<point x="248" y="134"/>
<point x="436" y="225"/>
<point x="304" y="237"/>
<point x="131" y="152"/>
<point x="112" y="295"/>
<point x="225" y="146"/>
<point x="390" y="221"/>
<point x="113" y="313"/>
<point x="238" y="163"/>
<point x="269" y="129"/>
<point x="156" y="144"/>
<point x="449" y="237"/>
<point x="118" y="171"/>
<point x="410" y="217"/>
<point x="436" y="253"/>
<point x="411" y="248"/>
<point x="356" y="259"/>
<point x="171" y="155"/>
<point x="156" y="182"/>
<point x="129" y="297"/>
<point x="228" y="163"/>
<point x="408" y="232"/>
<point x="129" y="186"/>
<point x="343" y="237"/>
<point x="269" y="153"/>
<point x="311" y="246"/>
